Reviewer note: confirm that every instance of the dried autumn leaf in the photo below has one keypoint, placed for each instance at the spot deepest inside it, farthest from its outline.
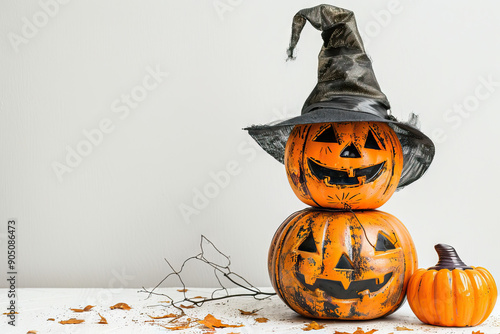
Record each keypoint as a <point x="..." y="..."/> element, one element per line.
<point x="254" y="312"/>
<point x="212" y="322"/>
<point x="403" y="328"/>
<point x="170" y="315"/>
<point x="121" y="306"/>
<point x="261" y="320"/>
<point x="198" y="297"/>
<point x="477" y="332"/>
<point x="31" y="332"/>
<point x="313" y="326"/>
<point x="71" y="321"/>
<point x="51" y="319"/>
<point x="176" y="328"/>
<point x="103" y="320"/>
<point x="360" y="331"/>
<point x="187" y="306"/>
<point x="182" y="290"/>
<point x="79" y="310"/>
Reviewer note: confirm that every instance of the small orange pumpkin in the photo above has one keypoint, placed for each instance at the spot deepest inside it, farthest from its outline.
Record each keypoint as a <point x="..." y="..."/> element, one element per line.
<point x="333" y="164"/>
<point x="452" y="293"/>
<point x="342" y="265"/>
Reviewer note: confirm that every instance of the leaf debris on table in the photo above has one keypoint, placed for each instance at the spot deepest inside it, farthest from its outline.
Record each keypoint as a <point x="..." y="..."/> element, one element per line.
<point x="176" y="328"/>
<point x="71" y="321"/>
<point x="212" y="322"/>
<point x="313" y="326"/>
<point x="253" y="312"/>
<point x="103" y="320"/>
<point x="261" y="320"/>
<point x="358" y="331"/>
<point x="85" y="309"/>
<point x="120" y="306"/>
<point x="170" y="315"/>
<point x="403" y="328"/>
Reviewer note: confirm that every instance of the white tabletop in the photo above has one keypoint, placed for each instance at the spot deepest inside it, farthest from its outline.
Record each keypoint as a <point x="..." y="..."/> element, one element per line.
<point x="35" y="306"/>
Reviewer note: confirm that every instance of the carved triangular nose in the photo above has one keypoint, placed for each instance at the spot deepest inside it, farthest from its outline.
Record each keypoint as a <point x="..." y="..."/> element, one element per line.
<point x="350" y="151"/>
<point x="344" y="263"/>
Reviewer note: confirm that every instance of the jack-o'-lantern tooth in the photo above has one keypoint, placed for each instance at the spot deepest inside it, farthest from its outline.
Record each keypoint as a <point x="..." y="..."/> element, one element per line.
<point x="310" y="279"/>
<point x="364" y="292"/>
<point x="345" y="283"/>
<point x="351" y="172"/>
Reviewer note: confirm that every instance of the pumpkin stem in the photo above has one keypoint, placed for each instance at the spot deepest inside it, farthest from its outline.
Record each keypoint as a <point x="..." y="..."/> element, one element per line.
<point x="448" y="258"/>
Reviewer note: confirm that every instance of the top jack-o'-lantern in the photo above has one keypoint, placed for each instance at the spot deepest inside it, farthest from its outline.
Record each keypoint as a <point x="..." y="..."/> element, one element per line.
<point x="353" y="163"/>
<point x="347" y="93"/>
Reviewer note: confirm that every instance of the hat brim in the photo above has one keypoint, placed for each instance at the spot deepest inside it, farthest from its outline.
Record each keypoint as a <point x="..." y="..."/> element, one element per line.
<point x="418" y="149"/>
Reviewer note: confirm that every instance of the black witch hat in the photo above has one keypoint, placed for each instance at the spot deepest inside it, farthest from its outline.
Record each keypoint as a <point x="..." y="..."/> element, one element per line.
<point x="347" y="91"/>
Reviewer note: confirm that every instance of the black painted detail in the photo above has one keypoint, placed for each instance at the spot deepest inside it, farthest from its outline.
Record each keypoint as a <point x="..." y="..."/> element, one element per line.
<point x="308" y="245"/>
<point x="338" y="177"/>
<point x="371" y="142"/>
<point x="331" y="310"/>
<point x="350" y="151"/>
<point x="327" y="136"/>
<point x="344" y="263"/>
<point x="383" y="244"/>
<point x="335" y="289"/>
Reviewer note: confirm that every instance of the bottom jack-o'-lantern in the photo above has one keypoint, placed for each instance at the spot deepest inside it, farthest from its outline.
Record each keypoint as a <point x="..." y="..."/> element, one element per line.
<point x="452" y="293"/>
<point x="342" y="264"/>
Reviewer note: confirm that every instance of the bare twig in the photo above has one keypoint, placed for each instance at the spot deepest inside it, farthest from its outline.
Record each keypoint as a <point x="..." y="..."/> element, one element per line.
<point x="222" y="273"/>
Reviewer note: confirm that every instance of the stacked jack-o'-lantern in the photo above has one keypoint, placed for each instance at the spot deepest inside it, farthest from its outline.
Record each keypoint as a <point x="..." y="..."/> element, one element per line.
<point x="345" y="155"/>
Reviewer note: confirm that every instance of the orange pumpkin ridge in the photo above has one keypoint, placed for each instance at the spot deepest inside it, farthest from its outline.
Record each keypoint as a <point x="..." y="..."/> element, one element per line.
<point x="341" y="265"/>
<point x="336" y="164"/>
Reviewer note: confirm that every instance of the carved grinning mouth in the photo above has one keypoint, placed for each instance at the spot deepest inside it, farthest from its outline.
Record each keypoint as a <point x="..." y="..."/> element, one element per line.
<point x="339" y="177"/>
<point x="336" y="289"/>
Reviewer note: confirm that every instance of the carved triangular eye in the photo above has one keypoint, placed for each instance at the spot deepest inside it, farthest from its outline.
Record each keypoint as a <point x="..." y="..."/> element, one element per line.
<point x="308" y="245"/>
<point x="383" y="243"/>
<point x="327" y="136"/>
<point x="371" y="142"/>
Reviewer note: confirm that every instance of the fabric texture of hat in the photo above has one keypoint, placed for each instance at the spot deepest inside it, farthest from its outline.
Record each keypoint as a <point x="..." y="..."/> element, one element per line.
<point x="347" y="91"/>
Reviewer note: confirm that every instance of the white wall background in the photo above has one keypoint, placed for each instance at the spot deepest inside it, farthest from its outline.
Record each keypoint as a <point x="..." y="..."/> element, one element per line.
<point x="117" y="212"/>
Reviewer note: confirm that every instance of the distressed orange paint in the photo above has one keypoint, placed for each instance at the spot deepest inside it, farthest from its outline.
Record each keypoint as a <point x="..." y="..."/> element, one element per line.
<point x="333" y="164"/>
<point x="328" y="265"/>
